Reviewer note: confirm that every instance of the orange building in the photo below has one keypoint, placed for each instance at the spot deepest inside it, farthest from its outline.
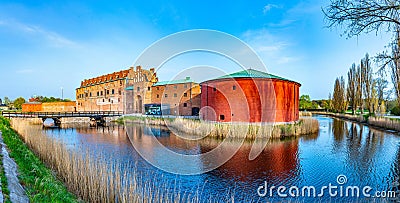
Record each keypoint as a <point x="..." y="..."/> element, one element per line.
<point x="250" y="96"/>
<point x="177" y="97"/>
<point x="49" y="107"/>
<point x="103" y="93"/>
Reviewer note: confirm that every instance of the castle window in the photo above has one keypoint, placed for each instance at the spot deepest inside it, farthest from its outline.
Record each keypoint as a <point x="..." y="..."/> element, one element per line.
<point x="166" y="95"/>
<point x="112" y="91"/>
<point x="158" y="88"/>
<point x="108" y="91"/>
<point x="185" y="94"/>
<point x="215" y="89"/>
<point x="176" y="86"/>
<point x="185" y="85"/>
<point x="222" y="117"/>
<point x="148" y="88"/>
<point x="138" y="89"/>
<point x="234" y="87"/>
<point x="175" y="95"/>
<point x="101" y="93"/>
<point x="158" y="96"/>
<point x="184" y="104"/>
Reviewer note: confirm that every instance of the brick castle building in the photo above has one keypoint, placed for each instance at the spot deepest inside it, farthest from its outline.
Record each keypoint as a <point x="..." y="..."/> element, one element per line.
<point x="244" y="96"/>
<point x="103" y="93"/>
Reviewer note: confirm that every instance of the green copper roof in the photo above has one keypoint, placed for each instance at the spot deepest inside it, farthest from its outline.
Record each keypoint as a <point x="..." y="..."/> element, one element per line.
<point x="129" y="88"/>
<point x="251" y="73"/>
<point x="186" y="80"/>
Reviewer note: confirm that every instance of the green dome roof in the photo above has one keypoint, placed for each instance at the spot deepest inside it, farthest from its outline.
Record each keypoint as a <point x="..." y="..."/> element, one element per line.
<point x="251" y="73"/>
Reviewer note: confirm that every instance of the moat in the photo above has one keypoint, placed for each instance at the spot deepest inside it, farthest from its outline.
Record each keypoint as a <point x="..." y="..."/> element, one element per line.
<point x="364" y="155"/>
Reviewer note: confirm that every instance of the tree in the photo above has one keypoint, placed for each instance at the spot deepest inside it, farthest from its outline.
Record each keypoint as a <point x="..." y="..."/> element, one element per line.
<point x="380" y="86"/>
<point x="18" y="102"/>
<point x="7" y="101"/>
<point x="329" y="102"/>
<point x="359" y="90"/>
<point x="352" y="88"/>
<point x="366" y="79"/>
<point x="394" y="65"/>
<point x="339" y="100"/>
<point x="305" y="102"/>
<point x="358" y="16"/>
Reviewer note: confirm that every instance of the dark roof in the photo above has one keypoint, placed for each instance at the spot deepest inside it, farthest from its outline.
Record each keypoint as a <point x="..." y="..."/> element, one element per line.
<point x="251" y="73"/>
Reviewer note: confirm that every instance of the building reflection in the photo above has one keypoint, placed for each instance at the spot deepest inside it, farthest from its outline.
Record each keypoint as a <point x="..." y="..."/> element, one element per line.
<point x="276" y="163"/>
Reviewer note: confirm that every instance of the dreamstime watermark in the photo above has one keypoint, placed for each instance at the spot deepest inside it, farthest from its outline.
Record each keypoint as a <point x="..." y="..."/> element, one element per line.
<point x="338" y="189"/>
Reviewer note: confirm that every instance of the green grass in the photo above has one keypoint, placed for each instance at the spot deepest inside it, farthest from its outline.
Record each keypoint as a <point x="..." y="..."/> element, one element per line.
<point x="4" y="182"/>
<point x="39" y="182"/>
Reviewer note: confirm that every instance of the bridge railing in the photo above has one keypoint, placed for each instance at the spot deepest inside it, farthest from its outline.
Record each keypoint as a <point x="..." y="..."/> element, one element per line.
<point x="61" y="114"/>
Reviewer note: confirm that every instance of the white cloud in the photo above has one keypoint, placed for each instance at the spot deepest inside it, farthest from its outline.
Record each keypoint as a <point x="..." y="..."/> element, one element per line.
<point x="272" y="49"/>
<point x="268" y="7"/>
<point x="53" y="38"/>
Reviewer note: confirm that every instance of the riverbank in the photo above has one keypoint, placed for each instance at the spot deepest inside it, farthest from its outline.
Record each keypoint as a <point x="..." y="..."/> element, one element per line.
<point x="249" y="131"/>
<point x="374" y="121"/>
<point x="40" y="183"/>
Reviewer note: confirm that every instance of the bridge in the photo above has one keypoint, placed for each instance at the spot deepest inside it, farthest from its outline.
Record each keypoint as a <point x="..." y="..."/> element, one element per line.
<point x="96" y="117"/>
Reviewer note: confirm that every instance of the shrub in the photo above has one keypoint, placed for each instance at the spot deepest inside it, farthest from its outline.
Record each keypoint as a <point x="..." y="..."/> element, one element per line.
<point x="395" y="111"/>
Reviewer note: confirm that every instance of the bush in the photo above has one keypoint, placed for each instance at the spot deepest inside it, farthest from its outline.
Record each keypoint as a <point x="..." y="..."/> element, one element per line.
<point x="395" y="111"/>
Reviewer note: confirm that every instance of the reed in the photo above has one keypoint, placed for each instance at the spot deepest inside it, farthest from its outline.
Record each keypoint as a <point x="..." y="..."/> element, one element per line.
<point x="305" y="113"/>
<point x="384" y="122"/>
<point x="250" y="131"/>
<point x="376" y="121"/>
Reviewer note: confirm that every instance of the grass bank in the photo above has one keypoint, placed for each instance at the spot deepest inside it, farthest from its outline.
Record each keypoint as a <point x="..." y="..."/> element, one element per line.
<point x="375" y="121"/>
<point x="249" y="131"/>
<point x="40" y="183"/>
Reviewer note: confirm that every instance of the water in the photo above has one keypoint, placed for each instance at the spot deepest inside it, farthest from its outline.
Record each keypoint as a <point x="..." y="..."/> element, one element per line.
<point x="366" y="156"/>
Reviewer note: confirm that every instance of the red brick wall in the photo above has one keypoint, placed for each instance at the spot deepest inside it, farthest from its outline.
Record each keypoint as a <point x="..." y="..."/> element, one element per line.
<point x="27" y="107"/>
<point x="58" y="106"/>
<point x="253" y="100"/>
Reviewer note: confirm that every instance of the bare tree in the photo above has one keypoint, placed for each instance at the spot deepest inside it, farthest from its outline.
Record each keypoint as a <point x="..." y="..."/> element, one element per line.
<point x="366" y="79"/>
<point x="358" y="16"/>
<point x="364" y="16"/>
<point x="359" y="90"/>
<point x="395" y="67"/>
<point x="352" y="88"/>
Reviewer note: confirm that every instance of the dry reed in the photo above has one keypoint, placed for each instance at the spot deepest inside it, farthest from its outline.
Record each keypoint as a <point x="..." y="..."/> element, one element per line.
<point x="250" y="131"/>
<point x="305" y="113"/>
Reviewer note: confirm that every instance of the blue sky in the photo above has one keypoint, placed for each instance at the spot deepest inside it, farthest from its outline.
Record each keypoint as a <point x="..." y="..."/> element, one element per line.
<point x="49" y="45"/>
